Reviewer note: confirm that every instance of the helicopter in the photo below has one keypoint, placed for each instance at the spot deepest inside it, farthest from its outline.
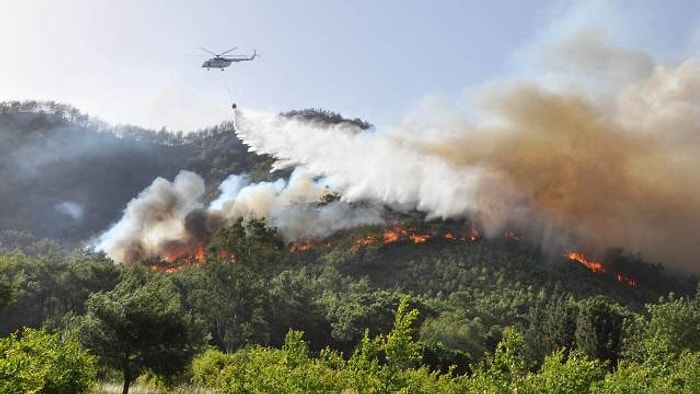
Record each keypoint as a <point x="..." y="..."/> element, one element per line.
<point x="221" y="61"/>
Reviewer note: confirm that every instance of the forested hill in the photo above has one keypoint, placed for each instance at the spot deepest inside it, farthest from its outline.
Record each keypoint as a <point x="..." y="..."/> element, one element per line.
<point x="474" y="314"/>
<point x="67" y="176"/>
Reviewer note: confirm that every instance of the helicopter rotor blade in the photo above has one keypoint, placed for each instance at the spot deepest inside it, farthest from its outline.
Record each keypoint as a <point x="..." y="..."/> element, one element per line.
<point x="206" y="50"/>
<point x="223" y="53"/>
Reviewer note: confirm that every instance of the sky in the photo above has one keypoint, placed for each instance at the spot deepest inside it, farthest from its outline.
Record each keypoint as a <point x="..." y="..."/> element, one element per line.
<point x="138" y="62"/>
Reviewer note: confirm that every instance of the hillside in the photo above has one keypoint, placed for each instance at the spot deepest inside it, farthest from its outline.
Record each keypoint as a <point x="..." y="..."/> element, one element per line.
<point x="243" y="286"/>
<point x="67" y="176"/>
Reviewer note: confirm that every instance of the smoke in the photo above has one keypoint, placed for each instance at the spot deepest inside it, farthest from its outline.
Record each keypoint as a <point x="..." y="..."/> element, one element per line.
<point x="169" y="218"/>
<point x="155" y="219"/>
<point x="71" y="209"/>
<point x="66" y="176"/>
<point x="602" y="151"/>
<point x="594" y="165"/>
<point x="294" y="207"/>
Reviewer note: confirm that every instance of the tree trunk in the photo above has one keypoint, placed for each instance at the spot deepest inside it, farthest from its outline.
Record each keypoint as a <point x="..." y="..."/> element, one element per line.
<point x="127" y="379"/>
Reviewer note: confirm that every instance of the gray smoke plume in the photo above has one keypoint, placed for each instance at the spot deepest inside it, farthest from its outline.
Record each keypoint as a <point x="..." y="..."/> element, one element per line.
<point x="568" y="165"/>
<point x="155" y="219"/>
<point x="168" y="218"/>
<point x="603" y="151"/>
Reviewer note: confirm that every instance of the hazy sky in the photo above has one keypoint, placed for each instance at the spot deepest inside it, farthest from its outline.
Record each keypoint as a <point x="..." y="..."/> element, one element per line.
<point x="137" y="62"/>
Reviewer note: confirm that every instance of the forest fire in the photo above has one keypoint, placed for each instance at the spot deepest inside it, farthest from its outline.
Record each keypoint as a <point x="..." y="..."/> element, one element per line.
<point x="393" y="234"/>
<point x="593" y="266"/>
<point x="181" y="256"/>
<point x="409" y="234"/>
<point x="178" y="258"/>
<point x="598" y="267"/>
<point x="301" y="246"/>
<point x="186" y="256"/>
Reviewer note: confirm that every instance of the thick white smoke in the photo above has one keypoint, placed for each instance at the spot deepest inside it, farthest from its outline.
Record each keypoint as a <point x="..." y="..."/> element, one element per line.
<point x="294" y="207"/>
<point x="610" y="168"/>
<point x="154" y="219"/>
<point x="168" y="218"/>
<point x="602" y="153"/>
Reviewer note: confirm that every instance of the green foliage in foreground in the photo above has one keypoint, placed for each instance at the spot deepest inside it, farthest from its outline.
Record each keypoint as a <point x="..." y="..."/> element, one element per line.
<point x="391" y="363"/>
<point x="37" y="362"/>
<point x="140" y="326"/>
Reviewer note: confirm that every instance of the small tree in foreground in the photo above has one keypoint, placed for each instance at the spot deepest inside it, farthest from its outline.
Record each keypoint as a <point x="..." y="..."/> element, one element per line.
<point x="37" y="362"/>
<point x="140" y="326"/>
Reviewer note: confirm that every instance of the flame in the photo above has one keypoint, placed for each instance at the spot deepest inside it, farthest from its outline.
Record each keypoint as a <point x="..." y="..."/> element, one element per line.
<point x="297" y="247"/>
<point x="200" y="254"/>
<point x="598" y="267"/>
<point x="180" y="257"/>
<point x="473" y="234"/>
<point x="363" y="243"/>
<point x="390" y="235"/>
<point x="593" y="266"/>
<point x="412" y="234"/>
<point x="418" y="238"/>
<point x="305" y="246"/>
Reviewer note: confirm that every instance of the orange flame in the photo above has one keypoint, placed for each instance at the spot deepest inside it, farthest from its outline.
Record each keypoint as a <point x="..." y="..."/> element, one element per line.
<point x="414" y="235"/>
<point x="176" y="259"/>
<point x="301" y="246"/>
<point x="391" y="236"/>
<point x="473" y="234"/>
<point x="363" y="243"/>
<point x="598" y="267"/>
<point x="418" y="238"/>
<point x="593" y="266"/>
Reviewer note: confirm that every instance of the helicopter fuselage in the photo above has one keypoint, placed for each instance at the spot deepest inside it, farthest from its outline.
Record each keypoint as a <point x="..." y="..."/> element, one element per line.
<point x="217" y="62"/>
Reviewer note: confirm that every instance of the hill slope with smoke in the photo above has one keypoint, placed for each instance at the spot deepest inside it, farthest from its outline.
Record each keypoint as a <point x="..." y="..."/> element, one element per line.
<point x="66" y="176"/>
<point x="564" y="167"/>
<point x="601" y="150"/>
<point x="607" y="160"/>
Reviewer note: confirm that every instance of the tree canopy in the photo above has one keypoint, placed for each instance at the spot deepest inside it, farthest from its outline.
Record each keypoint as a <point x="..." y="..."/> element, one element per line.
<point x="140" y="326"/>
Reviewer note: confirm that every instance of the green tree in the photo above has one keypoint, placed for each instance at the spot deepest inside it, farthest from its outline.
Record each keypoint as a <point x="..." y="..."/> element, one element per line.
<point x="295" y="302"/>
<point x="552" y="326"/>
<point x="356" y="307"/>
<point x="599" y="329"/>
<point x="139" y="325"/>
<point x="560" y="373"/>
<point x="38" y="362"/>
<point x="401" y="349"/>
<point x="674" y="326"/>
<point x="6" y="288"/>
<point x="231" y="299"/>
<point x="251" y="243"/>
<point x="508" y="362"/>
<point x="49" y="285"/>
<point x="231" y="291"/>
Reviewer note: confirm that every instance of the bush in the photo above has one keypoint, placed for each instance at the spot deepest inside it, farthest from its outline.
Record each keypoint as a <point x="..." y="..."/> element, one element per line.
<point x="207" y="367"/>
<point x="38" y="362"/>
<point x="576" y="374"/>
